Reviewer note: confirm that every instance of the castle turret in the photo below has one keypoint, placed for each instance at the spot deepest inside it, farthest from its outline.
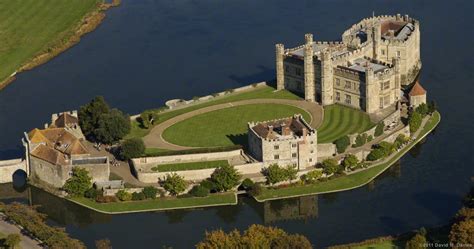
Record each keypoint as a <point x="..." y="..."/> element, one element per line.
<point x="327" y="89"/>
<point x="397" y="75"/>
<point x="371" y="93"/>
<point x="280" y="71"/>
<point x="309" y="68"/>
<point x="376" y="38"/>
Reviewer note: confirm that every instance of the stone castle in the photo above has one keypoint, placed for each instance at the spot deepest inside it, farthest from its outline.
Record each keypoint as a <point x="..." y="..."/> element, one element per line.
<point x="367" y="70"/>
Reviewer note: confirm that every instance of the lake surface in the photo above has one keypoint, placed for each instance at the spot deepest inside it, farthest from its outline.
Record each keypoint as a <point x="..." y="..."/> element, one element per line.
<point x="149" y="51"/>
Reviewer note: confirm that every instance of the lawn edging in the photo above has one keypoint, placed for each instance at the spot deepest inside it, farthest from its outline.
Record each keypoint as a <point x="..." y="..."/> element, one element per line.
<point x="135" y="205"/>
<point x="425" y="130"/>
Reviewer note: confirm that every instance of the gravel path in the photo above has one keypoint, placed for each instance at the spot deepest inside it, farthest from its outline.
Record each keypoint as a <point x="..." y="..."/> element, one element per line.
<point x="155" y="140"/>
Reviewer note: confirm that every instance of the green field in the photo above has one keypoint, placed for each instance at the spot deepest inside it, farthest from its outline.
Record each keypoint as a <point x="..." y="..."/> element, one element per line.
<point x="340" y="121"/>
<point x="349" y="181"/>
<point x="30" y="27"/>
<point x="159" y="203"/>
<point x="228" y="126"/>
<point x="189" y="166"/>
<point x="261" y="92"/>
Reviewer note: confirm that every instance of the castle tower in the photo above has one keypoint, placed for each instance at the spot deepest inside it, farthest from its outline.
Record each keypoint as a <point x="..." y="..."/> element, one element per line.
<point x="371" y="91"/>
<point x="309" y="93"/>
<point x="376" y="39"/>
<point x="280" y="71"/>
<point x="327" y="87"/>
<point x="396" y="72"/>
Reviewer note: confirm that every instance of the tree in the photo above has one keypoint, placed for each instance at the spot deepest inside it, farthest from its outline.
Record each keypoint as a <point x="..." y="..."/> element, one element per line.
<point x="103" y="244"/>
<point x="132" y="148"/>
<point x="400" y="141"/>
<point x="342" y="144"/>
<point x="89" y="115"/>
<point x="174" y="184"/>
<point x="79" y="183"/>
<point x="225" y="177"/>
<point x="291" y="172"/>
<point x="414" y="120"/>
<point x="432" y="106"/>
<point x="422" y="109"/>
<point x="123" y="195"/>
<point x="417" y="242"/>
<point x="350" y="161"/>
<point x="150" y="192"/>
<point x="274" y="174"/>
<point x="379" y="129"/>
<point x="12" y="240"/>
<point x="462" y="231"/>
<point x="112" y="127"/>
<point x="387" y="147"/>
<point x="376" y="154"/>
<point x="312" y="176"/>
<point x="360" y="140"/>
<point x="91" y="193"/>
<point x="330" y="166"/>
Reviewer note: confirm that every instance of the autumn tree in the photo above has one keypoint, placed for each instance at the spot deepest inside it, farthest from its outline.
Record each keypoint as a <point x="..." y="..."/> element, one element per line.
<point x="79" y="183"/>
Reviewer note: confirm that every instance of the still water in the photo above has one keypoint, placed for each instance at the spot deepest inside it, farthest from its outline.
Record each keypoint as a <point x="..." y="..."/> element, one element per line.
<point x="149" y="51"/>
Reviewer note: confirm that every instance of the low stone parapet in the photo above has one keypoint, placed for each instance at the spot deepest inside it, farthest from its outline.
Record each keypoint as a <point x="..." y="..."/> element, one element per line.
<point x="9" y="167"/>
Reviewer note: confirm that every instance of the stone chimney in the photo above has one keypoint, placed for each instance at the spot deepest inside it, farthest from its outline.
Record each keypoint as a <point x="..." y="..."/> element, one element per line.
<point x="285" y="130"/>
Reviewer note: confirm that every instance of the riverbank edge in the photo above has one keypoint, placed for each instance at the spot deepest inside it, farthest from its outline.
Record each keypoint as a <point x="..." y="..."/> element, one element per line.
<point x="390" y="163"/>
<point x="87" y="24"/>
<point x="235" y="202"/>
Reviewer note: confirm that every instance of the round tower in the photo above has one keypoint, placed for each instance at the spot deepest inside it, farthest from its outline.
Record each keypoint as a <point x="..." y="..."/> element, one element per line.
<point x="309" y="93"/>
<point x="327" y="87"/>
<point x="280" y="71"/>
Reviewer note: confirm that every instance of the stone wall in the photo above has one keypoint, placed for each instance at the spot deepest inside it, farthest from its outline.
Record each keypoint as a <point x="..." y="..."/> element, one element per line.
<point x="325" y="151"/>
<point x="112" y="192"/>
<point x="187" y="158"/>
<point x="405" y="131"/>
<point x="9" y="167"/>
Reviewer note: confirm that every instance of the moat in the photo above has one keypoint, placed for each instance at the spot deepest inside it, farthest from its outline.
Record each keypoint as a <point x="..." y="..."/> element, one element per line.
<point x="423" y="190"/>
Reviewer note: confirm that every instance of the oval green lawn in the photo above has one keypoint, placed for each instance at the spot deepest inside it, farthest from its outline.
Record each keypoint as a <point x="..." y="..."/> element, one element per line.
<point x="226" y="126"/>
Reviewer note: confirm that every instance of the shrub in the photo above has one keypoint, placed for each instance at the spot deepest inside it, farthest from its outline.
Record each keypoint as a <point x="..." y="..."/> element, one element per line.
<point x="174" y="184"/>
<point x="291" y="172"/>
<point x="123" y="195"/>
<point x="360" y="140"/>
<point x="199" y="191"/>
<point x="147" y="118"/>
<point x="209" y="185"/>
<point x="342" y="144"/>
<point x="400" y="141"/>
<point x="274" y="174"/>
<point x="330" y="166"/>
<point x="350" y="161"/>
<point x="132" y="148"/>
<point x="417" y="242"/>
<point x="150" y="192"/>
<point x="225" y="177"/>
<point x="12" y="240"/>
<point x="247" y="184"/>
<point x="379" y="129"/>
<point x="422" y="109"/>
<point x="138" y="196"/>
<point x="376" y="154"/>
<point x="432" y="107"/>
<point x="105" y="199"/>
<point x="91" y="193"/>
<point x="387" y="147"/>
<point x="312" y="176"/>
<point x="414" y="120"/>
<point x="256" y="189"/>
<point x="79" y="183"/>
<point x="370" y="138"/>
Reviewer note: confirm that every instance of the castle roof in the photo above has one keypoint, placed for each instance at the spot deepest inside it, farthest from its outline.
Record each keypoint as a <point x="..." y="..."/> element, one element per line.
<point x="65" y="120"/>
<point x="417" y="90"/>
<point x="281" y="127"/>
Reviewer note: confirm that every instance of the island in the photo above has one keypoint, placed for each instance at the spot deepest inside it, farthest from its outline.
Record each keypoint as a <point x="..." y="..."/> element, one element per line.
<point x="338" y="115"/>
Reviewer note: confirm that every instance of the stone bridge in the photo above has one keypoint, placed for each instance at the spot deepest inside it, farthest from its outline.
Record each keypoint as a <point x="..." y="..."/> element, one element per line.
<point x="10" y="167"/>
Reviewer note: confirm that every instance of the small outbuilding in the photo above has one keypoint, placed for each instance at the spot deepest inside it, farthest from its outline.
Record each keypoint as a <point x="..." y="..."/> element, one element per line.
<point x="417" y="95"/>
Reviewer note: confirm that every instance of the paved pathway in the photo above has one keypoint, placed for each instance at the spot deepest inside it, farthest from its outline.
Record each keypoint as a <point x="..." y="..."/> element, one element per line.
<point x="26" y="242"/>
<point x="154" y="138"/>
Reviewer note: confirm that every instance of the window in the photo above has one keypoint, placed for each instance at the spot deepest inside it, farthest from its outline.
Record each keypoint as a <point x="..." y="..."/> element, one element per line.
<point x="383" y="51"/>
<point x="348" y="84"/>
<point x="276" y="157"/>
<point x="312" y="151"/>
<point x="338" y="82"/>
<point x="338" y="96"/>
<point x="299" y="85"/>
<point x="348" y="99"/>
<point x="312" y="142"/>
<point x="293" y="155"/>
<point x="276" y="147"/>
<point x="354" y="85"/>
<point x="311" y="159"/>
<point x="293" y="145"/>
<point x="399" y="53"/>
<point x="384" y="85"/>
<point x="287" y="69"/>
<point x="298" y="71"/>
<point x="381" y="103"/>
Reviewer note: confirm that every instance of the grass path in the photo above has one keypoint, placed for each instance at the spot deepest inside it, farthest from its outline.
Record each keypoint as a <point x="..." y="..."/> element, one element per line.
<point x="30" y="27"/>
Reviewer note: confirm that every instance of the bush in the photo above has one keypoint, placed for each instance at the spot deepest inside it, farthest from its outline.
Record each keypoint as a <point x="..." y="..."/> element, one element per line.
<point x="379" y="129"/>
<point x="225" y="177"/>
<point x="79" y="183"/>
<point x="174" y="183"/>
<point x="274" y="174"/>
<point x="387" y="147"/>
<point x="414" y="120"/>
<point x="330" y="166"/>
<point x="342" y="144"/>
<point x="132" y="148"/>
<point x="12" y="240"/>
<point x="199" y="191"/>
<point x="91" y="193"/>
<point x="400" y="141"/>
<point x="432" y="107"/>
<point x="105" y="199"/>
<point x="208" y="184"/>
<point x="417" y="242"/>
<point x="150" y="192"/>
<point x="370" y="138"/>
<point x="147" y="118"/>
<point x="256" y="189"/>
<point x="291" y="172"/>
<point x="360" y="140"/>
<point x="350" y="161"/>
<point x="123" y="195"/>
<point x="422" y="109"/>
<point x="247" y="184"/>
<point x="138" y="196"/>
<point x="312" y="176"/>
<point x="376" y="154"/>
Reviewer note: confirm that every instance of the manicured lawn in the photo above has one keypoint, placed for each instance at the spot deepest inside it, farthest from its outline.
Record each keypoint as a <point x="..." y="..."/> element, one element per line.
<point x="159" y="203"/>
<point x="349" y="181"/>
<point x="189" y="166"/>
<point x="262" y="92"/>
<point x="29" y="27"/>
<point x="226" y="126"/>
<point x="339" y="121"/>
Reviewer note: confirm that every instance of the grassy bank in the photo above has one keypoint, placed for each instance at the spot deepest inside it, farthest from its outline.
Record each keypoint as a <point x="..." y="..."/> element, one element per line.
<point x="261" y="92"/>
<point x="189" y="166"/>
<point x="30" y="29"/>
<point x="350" y="181"/>
<point x="158" y="204"/>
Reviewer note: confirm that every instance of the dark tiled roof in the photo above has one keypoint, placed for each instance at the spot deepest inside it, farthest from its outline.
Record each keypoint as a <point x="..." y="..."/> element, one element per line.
<point x="271" y="129"/>
<point x="65" y="120"/>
